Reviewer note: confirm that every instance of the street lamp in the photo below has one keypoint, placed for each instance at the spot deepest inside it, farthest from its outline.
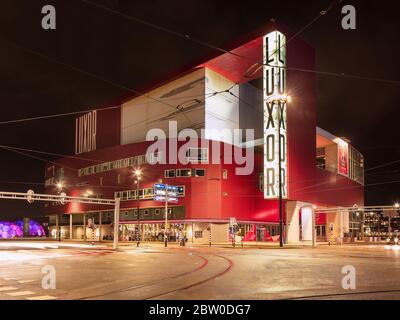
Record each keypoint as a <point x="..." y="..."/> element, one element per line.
<point x="397" y="205"/>
<point x="280" y="101"/>
<point x="138" y="174"/>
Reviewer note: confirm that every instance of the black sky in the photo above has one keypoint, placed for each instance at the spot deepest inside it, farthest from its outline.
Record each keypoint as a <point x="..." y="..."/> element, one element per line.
<point x="130" y="55"/>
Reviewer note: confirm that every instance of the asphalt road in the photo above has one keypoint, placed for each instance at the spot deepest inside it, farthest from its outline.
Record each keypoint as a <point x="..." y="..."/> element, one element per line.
<point x="155" y="272"/>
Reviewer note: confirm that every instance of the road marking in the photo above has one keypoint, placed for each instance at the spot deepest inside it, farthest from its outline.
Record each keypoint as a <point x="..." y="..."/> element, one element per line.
<point x="20" y="293"/>
<point x="8" y="288"/>
<point x="9" y="279"/>
<point x="42" y="298"/>
<point x="25" y="281"/>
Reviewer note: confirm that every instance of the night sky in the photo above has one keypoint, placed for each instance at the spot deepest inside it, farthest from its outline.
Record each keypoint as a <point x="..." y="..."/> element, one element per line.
<point x="127" y="54"/>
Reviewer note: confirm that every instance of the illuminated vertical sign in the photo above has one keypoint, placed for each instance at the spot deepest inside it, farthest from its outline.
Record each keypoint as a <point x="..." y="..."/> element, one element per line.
<point x="85" y="132"/>
<point x="274" y="86"/>
<point x="343" y="157"/>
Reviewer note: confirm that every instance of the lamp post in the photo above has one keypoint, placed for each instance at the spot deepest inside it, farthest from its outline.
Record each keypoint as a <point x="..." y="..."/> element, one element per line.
<point x="138" y="177"/>
<point x="280" y="101"/>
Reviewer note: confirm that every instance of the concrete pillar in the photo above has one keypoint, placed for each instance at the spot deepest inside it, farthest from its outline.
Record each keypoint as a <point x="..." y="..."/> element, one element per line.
<point x="314" y="232"/>
<point x="292" y="222"/>
<point x="70" y="226"/>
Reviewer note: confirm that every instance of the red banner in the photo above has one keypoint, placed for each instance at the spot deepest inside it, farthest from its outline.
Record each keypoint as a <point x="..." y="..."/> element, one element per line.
<point x="343" y="157"/>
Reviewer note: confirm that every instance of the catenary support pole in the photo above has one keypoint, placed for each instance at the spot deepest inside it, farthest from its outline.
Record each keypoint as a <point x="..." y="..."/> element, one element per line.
<point x="166" y="216"/>
<point x="280" y="177"/>
<point x="209" y="236"/>
<point x="138" y="212"/>
<point x="341" y="227"/>
<point x="314" y="238"/>
<point x="57" y="226"/>
<point x="70" y="226"/>
<point x="100" y="226"/>
<point x="116" y="222"/>
<point x="84" y="227"/>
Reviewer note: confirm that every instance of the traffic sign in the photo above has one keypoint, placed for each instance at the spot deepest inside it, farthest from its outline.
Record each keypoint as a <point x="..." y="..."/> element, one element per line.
<point x="30" y="194"/>
<point x="159" y="193"/>
<point x="63" y="195"/>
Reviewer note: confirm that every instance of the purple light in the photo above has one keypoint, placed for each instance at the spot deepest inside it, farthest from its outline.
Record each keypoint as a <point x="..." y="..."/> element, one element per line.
<point x="10" y="230"/>
<point x="35" y="228"/>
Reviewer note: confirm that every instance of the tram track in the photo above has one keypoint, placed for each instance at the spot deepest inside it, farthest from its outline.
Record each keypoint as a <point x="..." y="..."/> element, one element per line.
<point x="227" y="269"/>
<point x="342" y="294"/>
<point x="134" y="288"/>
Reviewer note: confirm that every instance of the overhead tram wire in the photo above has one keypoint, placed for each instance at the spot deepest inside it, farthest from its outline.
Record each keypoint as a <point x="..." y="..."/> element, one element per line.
<point x="85" y="111"/>
<point x="55" y="163"/>
<point x="194" y="40"/>
<point x="205" y="44"/>
<point x="129" y="186"/>
<point x="18" y="150"/>
<point x="89" y="74"/>
<point x="140" y="94"/>
<point x="322" y="12"/>
<point x="163" y="102"/>
<point x="249" y="195"/>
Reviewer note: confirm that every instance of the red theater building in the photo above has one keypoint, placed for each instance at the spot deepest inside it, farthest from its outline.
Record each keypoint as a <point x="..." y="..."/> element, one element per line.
<point x="217" y="131"/>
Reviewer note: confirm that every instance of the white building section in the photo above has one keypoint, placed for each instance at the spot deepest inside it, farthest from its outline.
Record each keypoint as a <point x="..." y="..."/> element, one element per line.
<point x="180" y="100"/>
<point x="222" y="110"/>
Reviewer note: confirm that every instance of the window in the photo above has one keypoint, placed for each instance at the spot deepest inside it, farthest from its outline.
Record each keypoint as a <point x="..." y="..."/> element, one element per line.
<point x="148" y="193"/>
<point x="198" y="234"/>
<point x="146" y="212"/>
<point x="170" y="173"/>
<point x="157" y="212"/>
<point x="199" y="172"/>
<point x="181" y="191"/>
<point x="321" y="158"/>
<point x="183" y="172"/>
<point x="225" y="174"/>
<point x="126" y="213"/>
<point x="197" y="154"/>
<point x="121" y="163"/>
